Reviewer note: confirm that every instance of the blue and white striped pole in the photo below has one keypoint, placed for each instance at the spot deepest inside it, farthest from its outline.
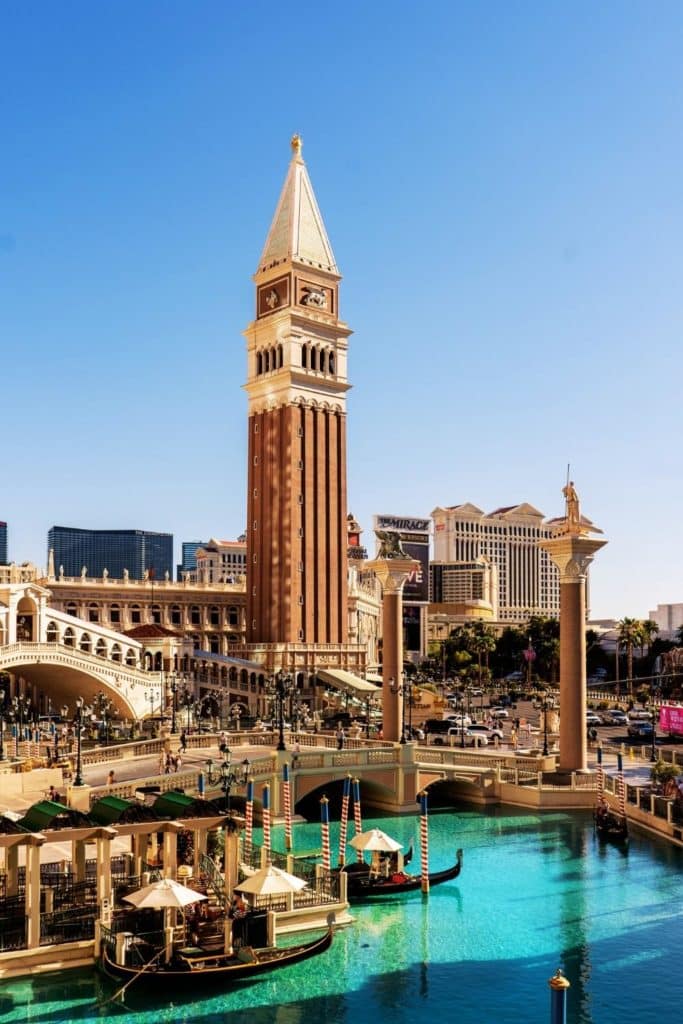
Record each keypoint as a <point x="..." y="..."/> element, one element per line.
<point x="558" y="998"/>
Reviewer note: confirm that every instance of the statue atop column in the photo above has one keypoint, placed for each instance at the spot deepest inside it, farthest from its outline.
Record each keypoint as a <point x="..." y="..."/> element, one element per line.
<point x="390" y="545"/>
<point x="572" y="513"/>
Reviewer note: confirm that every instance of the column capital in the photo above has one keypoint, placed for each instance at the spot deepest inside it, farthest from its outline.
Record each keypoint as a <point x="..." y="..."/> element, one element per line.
<point x="572" y="555"/>
<point x="392" y="572"/>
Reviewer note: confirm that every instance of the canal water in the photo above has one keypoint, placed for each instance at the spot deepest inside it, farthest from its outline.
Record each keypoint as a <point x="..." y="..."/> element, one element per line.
<point x="536" y="892"/>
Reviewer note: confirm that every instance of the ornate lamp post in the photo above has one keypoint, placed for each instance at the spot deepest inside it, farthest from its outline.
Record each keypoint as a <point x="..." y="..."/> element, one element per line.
<point x="370" y="703"/>
<point x="20" y="707"/>
<point x="278" y="689"/>
<point x="228" y="775"/>
<point x="2" y="725"/>
<point x="150" y="697"/>
<point x="400" y="690"/>
<point x="545" y="725"/>
<point x="78" y="781"/>
<point x="462" y="719"/>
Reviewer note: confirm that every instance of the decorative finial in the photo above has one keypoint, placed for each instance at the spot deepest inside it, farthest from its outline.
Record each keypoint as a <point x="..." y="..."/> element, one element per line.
<point x="297" y="144"/>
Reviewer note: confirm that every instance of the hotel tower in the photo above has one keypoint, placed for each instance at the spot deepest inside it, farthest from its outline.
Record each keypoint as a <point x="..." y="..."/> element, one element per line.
<point x="296" y="386"/>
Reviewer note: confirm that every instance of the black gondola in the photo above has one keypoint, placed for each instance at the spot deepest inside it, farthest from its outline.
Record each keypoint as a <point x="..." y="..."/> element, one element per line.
<point x="610" y="827"/>
<point x="193" y="965"/>
<point x="363" y="884"/>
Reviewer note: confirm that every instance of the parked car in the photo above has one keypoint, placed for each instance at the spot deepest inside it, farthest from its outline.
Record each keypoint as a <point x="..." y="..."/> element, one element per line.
<point x="483" y="730"/>
<point x="498" y="713"/>
<point x="592" y="718"/>
<point x="640" y="730"/>
<point x="615" y="717"/>
<point x="466" y="737"/>
<point x="639" y="716"/>
<point x="459" y="720"/>
<point x="513" y="677"/>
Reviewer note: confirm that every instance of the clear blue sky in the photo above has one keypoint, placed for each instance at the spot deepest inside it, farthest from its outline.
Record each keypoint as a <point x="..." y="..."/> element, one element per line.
<point x="502" y="187"/>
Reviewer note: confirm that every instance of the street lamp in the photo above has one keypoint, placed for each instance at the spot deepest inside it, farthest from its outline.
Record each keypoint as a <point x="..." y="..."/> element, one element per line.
<point x="400" y="690"/>
<point x="278" y="689"/>
<point x="228" y="775"/>
<point x="174" y="701"/>
<point x="370" y="703"/>
<point x="150" y="697"/>
<point x="78" y="781"/>
<point x="20" y="706"/>
<point x="545" y="725"/>
<point x="653" y="752"/>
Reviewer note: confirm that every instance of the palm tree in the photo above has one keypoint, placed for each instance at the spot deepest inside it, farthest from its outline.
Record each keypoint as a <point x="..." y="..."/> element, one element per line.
<point x="629" y="636"/>
<point x="482" y="641"/>
<point x="648" y="630"/>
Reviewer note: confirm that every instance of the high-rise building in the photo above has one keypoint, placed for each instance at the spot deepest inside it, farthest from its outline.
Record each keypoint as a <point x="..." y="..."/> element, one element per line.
<point x="221" y="561"/>
<point x="111" y="552"/>
<point x="189" y="562"/>
<point x="464" y="583"/>
<point x="3" y="543"/>
<point x="528" y="581"/>
<point x="297" y="384"/>
<point x="414" y="534"/>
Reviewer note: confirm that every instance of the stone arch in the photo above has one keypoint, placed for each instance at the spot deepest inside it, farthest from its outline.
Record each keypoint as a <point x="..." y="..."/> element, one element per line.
<point x="322" y="361"/>
<point x="85" y="643"/>
<point x="330" y="362"/>
<point x="314" y="358"/>
<point x="304" y="356"/>
<point x="131" y="660"/>
<point x="158" y="661"/>
<point x="280" y="356"/>
<point x="259" y="363"/>
<point x="116" y="652"/>
<point x="101" y="648"/>
<point x="69" y="639"/>
<point x="266" y="361"/>
<point x="52" y="633"/>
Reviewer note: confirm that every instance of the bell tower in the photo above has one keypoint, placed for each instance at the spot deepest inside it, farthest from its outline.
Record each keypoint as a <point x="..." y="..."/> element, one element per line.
<point x="296" y="386"/>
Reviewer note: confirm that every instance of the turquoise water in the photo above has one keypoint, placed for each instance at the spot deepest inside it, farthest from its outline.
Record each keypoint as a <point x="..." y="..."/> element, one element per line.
<point x="536" y="892"/>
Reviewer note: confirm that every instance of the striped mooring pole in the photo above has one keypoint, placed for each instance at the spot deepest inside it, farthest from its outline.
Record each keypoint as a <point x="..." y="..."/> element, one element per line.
<point x="558" y="997"/>
<point x="266" y="821"/>
<point x="424" y="842"/>
<point x="287" y="798"/>
<point x="344" y="820"/>
<point x="621" y="786"/>
<point x="249" y="819"/>
<point x="325" y="826"/>
<point x="356" y="815"/>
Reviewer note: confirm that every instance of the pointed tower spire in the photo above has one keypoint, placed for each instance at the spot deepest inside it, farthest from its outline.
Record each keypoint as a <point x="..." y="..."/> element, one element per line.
<point x="297" y="232"/>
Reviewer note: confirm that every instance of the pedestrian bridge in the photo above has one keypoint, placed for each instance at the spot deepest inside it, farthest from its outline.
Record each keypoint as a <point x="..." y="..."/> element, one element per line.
<point x="62" y="672"/>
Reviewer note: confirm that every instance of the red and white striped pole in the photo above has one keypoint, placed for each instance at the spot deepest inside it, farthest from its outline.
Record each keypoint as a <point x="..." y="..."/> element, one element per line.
<point x="325" y="826"/>
<point x="266" y="821"/>
<point x="621" y="786"/>
<point x="600" y="777"/>
<point x="424" y="842"/>
<point x="249" y="820"/>
<point x="287" y="797"/>
<point x="344" y="820"/>
<point x="356" y="815"/>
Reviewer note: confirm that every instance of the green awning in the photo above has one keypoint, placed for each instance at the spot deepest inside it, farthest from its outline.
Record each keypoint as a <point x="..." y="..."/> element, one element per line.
<point x="47" y="814"/>
<point x="180" y="805"/>
<point x="108" y="809"/>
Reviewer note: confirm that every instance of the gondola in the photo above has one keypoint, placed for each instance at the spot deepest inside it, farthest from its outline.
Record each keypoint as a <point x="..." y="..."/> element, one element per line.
<point x="364" y="885"/>
<point x="192" y="966"/>
<point x="610" y="827"/>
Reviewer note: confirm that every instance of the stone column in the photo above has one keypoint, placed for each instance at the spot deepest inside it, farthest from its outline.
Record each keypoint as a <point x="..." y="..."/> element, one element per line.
<point x="103" y="848"/>
<point x="392" y="574"/>
<point x="78" y="859"/>
<point x="572" y="554"/>
<point x="170" y="849"/>
<point x="32" y="894"/>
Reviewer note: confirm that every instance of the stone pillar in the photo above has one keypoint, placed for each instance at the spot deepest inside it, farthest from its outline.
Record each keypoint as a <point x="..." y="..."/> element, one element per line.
<point x="78" y="859"/>
<point x="32" y="896"/>
<point x="103" y="848"/>
<point x="200" y="847"/>
<point x="572" y="553"/>
<point x="170" y="849"/>
<point x="12" y="870"/>
<point x="392" y="574"/>
<point x="140" y="844"/>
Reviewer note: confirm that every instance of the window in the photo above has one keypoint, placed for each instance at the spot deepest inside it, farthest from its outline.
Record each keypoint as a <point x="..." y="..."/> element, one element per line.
<point x="304" y="356"/>
<point x="256" y="460"/>
<point x="233" y="616"/>
<point x="86" y="643"/>
<point x="101" y="648"/>
<point x="72" y="608"/>
<point x="176" y="615"/>
<point x="115" y="613"/>
<point x="116" y="653"/>
<point x="69" y="637"/>
<point x="93" y="613"/>
<point x="214" y="617"/>
<point x="135" y="616"/>
<point x="130" y="657"/>
<point x="52" y="633"/>
<point x="195" y="616"/>
<point x="156" y="614"/>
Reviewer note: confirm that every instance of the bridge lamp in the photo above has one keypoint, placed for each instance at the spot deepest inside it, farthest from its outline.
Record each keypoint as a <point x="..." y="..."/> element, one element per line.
<point x="78" y="781"/>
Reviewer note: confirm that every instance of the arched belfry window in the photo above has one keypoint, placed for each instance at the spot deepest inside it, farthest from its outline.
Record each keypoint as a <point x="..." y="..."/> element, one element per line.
<point x="280" y="356"/>
<point x="259" y="363"/>
<point x="304" y="356"/>
<point x="322" y="360"/>
<point x="330" y="362"/>
<point x="313" y="359"/>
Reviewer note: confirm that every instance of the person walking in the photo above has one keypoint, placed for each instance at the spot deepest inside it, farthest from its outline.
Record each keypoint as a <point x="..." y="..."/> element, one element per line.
<point x="183" y="742"/>
<point x="341" y="736"/>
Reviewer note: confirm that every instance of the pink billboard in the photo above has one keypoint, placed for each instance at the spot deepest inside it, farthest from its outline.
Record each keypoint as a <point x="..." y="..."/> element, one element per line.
<point x="671" y="719"/>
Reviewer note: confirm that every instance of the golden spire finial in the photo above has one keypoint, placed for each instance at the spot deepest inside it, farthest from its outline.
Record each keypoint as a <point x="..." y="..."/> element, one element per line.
<point x="297" y="144"/>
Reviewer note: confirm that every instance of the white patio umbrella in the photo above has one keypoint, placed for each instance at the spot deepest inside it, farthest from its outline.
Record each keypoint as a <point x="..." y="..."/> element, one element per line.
<point x="164" y="894"/>
<point x="375" y="839"/>
<point x="271" y="881"/>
